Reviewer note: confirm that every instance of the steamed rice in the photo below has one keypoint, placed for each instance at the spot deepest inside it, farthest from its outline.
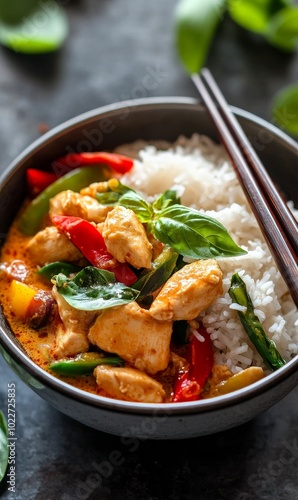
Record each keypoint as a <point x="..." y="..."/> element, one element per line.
<point x="199" y="170"/>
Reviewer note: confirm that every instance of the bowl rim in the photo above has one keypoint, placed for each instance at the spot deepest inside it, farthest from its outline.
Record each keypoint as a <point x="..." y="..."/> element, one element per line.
<point x="65" y="389"/>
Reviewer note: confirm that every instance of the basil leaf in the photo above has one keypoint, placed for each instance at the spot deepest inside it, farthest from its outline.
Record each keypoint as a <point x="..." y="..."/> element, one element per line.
<point x="282" y="30"/>
<point x="135" y="202"/>
<point x="114" y="193"/>
<point x="94" y="289"/>
<point x="195" y="24"/>
<point x="168" y="198"/>
<point x="43" y="29"/>
<point x="162" y="268"/>
<point x="3" y="446"/>
<point x="13" y="11"/>
<point x="50" y="270"/>
<point x="285" y="109"/>
<point x="193" y="234"/>
<point x="254" y="15"/>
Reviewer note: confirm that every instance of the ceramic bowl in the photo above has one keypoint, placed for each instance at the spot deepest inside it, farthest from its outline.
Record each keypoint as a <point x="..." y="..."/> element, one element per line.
<point x="105" y="128"/>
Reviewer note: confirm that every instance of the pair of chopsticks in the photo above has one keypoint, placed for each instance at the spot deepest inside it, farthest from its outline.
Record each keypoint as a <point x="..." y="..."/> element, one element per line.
<point x="275" y="219"/>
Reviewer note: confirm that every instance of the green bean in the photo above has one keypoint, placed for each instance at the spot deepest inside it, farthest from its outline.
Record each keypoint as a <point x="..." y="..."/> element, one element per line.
<point x="251" y="323"/>
<point x="83" y="364"/>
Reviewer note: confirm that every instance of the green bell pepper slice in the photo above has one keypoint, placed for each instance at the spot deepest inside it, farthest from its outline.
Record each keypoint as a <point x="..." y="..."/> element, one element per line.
<point x="31" y="219"/>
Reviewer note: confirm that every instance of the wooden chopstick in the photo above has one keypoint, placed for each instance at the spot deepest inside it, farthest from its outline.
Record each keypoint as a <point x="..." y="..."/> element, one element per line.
<point x="275" y="219"/>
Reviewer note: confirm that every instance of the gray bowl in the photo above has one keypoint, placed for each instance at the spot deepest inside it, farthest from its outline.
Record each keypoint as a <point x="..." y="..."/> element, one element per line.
<point x="105" y="128"/>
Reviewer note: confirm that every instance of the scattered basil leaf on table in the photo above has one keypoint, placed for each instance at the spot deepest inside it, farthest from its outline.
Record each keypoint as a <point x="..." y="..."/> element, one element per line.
<point x="282" y="29"/>
<point x="193" y="234"/>
<point x="3" y="446"/>
<point x="39" y="29"/>
<point x="195" y="24"/>
<point x="94" y="289"/>
<point x="254" y="15"/>
<point x="285" y="109"/>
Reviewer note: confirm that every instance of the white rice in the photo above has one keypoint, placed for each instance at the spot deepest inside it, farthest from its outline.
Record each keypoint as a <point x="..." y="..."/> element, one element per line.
<point x="201" y="173"/>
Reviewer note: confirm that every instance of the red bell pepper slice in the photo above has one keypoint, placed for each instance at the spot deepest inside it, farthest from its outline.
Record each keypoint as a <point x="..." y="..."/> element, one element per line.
<point x="190" y="384"/>
<point x="38" y="180"/>
<point x="90" y="242"/>
<point x="119" y="163"/>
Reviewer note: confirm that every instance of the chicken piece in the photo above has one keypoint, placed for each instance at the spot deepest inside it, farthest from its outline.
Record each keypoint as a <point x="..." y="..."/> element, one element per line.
<point x="74" y="204"/>
<point x="126" y="239"/>
<point x="128" y="384"/>
<point x="72" y="334"/>
<point x="133" y="334"/>
<point x="188" y="292"/>
<point x="50" y="245"/>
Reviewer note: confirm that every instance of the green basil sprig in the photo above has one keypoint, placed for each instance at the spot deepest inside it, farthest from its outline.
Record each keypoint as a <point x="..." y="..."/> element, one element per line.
<point x="184" y="229"/>
<point x="193" y="234"/>
<point x="94" y="289"/>
<point x="3" y="446"/>
<point x="166" y="199"/>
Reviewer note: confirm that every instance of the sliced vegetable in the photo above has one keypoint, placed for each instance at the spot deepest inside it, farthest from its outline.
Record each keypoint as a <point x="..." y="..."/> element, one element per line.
<point x="38" y="180"/>
<point x="193" y="234"/>
<point x="162" y="268"/>
<point x="3" y="446"/>
<point x="190" y="384"/>
<point x="238" y="381"/>
<point x="251" y="323"/>
<point x="119" y="163"/>
<point x="90" y="242"/>
<point x="195" y="24"/>
<point x="94" y="289"/>
<point x="83" y="364"/>
<point x="20" y="296"/>
<point x="33" y="215"/>
<point x="49" y="270"/>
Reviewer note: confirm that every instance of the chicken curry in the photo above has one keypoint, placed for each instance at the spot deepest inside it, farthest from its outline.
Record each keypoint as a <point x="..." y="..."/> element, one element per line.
<point x="96" y="289"/>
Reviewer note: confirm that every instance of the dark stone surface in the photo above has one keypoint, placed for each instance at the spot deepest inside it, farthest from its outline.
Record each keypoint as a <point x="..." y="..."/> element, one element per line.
<point x="113" y="45"/>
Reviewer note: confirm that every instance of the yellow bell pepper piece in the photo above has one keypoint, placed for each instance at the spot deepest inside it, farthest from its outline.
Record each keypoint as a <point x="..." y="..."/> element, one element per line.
<point x="239" y="380"/>
<point x="20" y="296"/>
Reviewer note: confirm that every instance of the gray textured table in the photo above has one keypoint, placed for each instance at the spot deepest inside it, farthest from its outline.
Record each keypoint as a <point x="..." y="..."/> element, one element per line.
<point x="113" y="45"/>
